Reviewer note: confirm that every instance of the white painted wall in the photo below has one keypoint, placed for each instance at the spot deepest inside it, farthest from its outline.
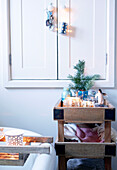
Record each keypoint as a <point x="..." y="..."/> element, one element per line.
<point x="32" y="108"/>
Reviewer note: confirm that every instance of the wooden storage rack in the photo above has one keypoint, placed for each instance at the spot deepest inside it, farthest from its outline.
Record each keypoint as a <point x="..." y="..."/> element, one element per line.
<point x="66" y="150"/>
<point x="17" y="155"/>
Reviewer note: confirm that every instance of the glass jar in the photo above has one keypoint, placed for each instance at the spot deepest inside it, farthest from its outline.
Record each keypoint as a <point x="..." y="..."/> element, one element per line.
<point x="66" y="93"/>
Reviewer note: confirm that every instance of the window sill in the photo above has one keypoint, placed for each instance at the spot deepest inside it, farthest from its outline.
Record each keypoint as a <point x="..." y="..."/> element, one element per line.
<point x="12" y="84"/>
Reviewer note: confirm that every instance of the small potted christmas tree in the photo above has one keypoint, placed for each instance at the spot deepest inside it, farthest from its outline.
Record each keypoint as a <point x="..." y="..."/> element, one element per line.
<point x="81" y="82"/>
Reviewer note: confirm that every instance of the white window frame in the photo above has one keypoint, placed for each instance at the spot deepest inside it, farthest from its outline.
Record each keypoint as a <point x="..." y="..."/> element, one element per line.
<point x="5" y="36"/>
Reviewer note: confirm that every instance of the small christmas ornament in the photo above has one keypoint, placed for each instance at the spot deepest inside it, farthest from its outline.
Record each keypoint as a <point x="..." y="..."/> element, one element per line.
<point x="100" y="97"/>
<point x="63" y="21"/>
<point x="63" y="27"/>
<point x="50" y="17"/>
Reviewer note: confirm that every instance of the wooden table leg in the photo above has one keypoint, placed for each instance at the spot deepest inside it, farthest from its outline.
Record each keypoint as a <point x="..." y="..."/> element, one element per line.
<point x="107" y="163"/>
<point x="62" y="164"/>
<point x="60" y="131"/>
<point x="108" y="131"/>
<point x="107" y="139"/>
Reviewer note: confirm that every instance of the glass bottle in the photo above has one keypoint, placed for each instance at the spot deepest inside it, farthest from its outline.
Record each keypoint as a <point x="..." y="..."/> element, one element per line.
<point x="66" y="93"/>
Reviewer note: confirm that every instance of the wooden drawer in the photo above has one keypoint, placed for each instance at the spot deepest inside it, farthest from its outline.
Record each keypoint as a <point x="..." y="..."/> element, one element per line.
<point x="85" y="150"/>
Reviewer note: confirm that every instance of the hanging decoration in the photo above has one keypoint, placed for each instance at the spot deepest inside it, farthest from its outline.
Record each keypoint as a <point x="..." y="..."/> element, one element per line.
<point x="63" y="20"/>
<point x="50" y="17"/>
<point x="63" y="27"/>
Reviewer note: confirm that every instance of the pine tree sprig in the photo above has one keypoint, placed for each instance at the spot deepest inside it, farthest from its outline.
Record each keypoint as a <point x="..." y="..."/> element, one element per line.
<point x="79" y="80"/>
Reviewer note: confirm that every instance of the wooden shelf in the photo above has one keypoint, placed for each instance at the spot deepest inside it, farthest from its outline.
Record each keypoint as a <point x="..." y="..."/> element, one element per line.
<point x="66" y="150"/>
<point x="84" y="114"/>
<point x="81" y="150"/>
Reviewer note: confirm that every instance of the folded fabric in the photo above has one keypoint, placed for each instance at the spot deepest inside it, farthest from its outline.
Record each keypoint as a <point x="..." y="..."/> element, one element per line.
<point x="74" y="132"/>
<point x="114" y="135"/>
<point x="87" y="134"/>
<point x="96" y="134"/>
<point x="101" y="132"/>
<point x="70" y="132"/>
